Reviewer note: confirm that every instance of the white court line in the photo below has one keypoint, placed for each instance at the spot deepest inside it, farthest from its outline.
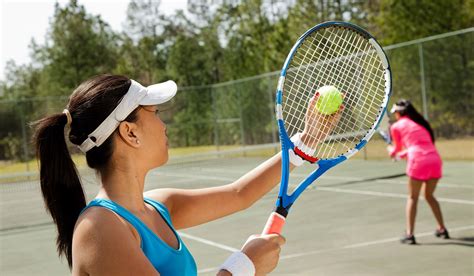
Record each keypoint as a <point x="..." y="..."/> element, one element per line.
<point x="377" y="242"/>
<point x="441" y="199"/>
<point x="208" y="242"/>
<point x="211" y="269"/>
<point x="196" y="176"/>
<point x="357" y="245"/>
<point x="338" y="190"/>
<point x="353" y="178"/>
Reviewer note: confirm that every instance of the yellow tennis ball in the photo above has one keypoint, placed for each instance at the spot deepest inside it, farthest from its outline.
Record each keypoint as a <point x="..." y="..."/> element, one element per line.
<point x="329" y="101"/>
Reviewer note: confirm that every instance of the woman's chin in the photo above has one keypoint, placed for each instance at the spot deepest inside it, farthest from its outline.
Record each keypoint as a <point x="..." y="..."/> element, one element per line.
<point x="163" y="159"/>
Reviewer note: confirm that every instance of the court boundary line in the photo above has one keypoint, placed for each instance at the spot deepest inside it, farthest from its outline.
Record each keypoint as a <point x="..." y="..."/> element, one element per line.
<point x="322" y="188"/>
<point x="208" y="242"/>
<point x="266" y="197"/>
<point x="354" y="178"/>
<point x="392" y="195"/>
<point x="350" y="246"/>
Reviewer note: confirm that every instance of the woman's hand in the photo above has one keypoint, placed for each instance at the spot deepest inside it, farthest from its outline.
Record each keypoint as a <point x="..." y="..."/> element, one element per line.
<point x="317" y="125"/>
<point x="264" y="251"/>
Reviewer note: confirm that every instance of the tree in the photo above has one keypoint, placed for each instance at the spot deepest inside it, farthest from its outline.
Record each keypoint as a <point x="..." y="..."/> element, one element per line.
<point x="78" y="47"/>
<point x="448" y="65"/>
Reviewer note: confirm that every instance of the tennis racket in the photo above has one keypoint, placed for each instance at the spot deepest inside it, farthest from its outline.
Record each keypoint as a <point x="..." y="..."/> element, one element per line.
<point x="342" y="55"/>
<point x="384" y="129"/>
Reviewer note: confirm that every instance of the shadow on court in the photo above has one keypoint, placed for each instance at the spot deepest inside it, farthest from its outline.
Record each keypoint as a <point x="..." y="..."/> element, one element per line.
<point x="369" y="179"/>
<point x="462" y="241"/>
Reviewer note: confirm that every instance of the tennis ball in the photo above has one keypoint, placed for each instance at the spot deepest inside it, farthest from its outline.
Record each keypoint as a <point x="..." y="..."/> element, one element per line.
<point x="329" y="101"/>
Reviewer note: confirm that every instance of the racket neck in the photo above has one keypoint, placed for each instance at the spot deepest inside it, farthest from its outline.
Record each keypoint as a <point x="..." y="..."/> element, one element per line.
<point x="279" y="209"/>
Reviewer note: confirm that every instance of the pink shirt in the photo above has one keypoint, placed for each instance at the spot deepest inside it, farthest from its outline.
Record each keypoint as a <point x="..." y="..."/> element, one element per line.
<point x="414" y="138"/>
<point x="413" y="141"/>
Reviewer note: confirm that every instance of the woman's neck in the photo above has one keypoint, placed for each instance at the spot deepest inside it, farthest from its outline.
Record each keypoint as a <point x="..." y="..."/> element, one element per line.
<point x="124" y="183"/>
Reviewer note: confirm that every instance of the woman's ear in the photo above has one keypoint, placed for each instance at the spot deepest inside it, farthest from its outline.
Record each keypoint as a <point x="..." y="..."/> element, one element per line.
<point x="128" y="134"/>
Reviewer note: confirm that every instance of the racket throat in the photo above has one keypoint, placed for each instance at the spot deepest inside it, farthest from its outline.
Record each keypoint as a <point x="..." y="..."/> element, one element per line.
<point x="279" y="209"/>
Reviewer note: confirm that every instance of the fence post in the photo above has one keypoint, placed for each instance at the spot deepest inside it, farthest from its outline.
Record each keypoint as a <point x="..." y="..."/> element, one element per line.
<point x="422" y="76"/>
<point x="24" y="139"/>
<point x="241" y="121"/>
<point x="216" y="121"/>
<point x="272" y="113"/>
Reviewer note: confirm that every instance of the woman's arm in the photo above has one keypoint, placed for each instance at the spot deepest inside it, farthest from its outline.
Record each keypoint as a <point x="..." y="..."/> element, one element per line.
<point x="193" y="207"/>
<point x="396" y="142"/>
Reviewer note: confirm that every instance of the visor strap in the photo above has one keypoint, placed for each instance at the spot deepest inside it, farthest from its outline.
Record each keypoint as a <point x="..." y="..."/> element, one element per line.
<point x="397" y="108"/>
<point x="127" y="105"/>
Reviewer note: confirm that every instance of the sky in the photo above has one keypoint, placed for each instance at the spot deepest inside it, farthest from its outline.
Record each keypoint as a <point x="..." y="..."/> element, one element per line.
<point x="22" y="20"/>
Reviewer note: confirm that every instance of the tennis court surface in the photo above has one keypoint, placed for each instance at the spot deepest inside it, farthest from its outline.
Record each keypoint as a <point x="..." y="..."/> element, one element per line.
<point x="347" y="223"/>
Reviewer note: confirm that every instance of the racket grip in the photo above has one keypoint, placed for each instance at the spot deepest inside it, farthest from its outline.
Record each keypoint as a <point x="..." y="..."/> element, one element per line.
<point x="274" y="224"/>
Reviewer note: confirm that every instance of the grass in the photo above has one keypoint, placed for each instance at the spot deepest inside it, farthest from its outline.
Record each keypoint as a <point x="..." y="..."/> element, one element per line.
<point x="458" y="149"/>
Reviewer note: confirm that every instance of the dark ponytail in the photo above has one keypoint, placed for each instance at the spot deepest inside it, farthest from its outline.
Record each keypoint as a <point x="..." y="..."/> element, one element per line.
<point x="60" y="184"/>
<point x="410" y="111"/>
<point x="89" y="105"/>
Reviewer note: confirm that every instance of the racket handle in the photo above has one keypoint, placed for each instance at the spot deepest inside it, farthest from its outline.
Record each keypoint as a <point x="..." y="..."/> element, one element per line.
<point x="274" y="224"/>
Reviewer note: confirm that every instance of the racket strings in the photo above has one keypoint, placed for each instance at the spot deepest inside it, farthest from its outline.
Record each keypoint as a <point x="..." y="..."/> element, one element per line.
<point x="298" y="108"/>
<point x="346" y="60"/>
<point x="341" y="125"/>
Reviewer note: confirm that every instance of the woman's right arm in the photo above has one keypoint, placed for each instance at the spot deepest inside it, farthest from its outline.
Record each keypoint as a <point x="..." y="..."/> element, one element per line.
<point x="263" y="252"/>
<point x="105" y="245"/>
<point x="396" y="148"/>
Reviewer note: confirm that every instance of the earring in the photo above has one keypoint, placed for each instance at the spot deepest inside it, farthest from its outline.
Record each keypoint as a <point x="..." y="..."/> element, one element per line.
<point x="138" y="142"/>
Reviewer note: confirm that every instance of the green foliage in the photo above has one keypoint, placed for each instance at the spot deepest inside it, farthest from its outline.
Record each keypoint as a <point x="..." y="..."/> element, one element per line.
<point x="404" y="20"/>
<point x="237" y="39"/>
<point x="448" y="63"/>
<point x="79" y="46"/>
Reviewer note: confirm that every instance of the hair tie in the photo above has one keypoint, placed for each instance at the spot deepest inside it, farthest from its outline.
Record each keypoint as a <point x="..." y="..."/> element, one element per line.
<point x="69" y="118"/>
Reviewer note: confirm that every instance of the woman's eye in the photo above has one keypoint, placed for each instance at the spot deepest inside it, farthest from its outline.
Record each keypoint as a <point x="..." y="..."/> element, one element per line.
<point x="157" y="112"/>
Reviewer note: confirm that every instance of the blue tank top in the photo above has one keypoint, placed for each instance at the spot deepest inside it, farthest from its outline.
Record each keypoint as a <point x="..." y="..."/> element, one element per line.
<point x="165" y="259"/>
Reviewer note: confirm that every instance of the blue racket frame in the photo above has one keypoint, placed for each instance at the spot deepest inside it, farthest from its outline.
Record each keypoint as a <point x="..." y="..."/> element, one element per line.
<point x="285" y="201"/>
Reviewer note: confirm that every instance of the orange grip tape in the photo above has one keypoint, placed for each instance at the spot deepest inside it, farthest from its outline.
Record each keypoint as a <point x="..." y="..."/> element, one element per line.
<point x="274" y="224"/>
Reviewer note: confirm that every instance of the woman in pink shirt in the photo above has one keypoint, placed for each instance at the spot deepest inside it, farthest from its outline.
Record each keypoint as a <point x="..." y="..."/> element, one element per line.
<point x="413" y="139"/>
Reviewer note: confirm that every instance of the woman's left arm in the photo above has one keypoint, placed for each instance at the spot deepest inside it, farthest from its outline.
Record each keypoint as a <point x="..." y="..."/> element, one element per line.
<point x="192" y="207"/>
<point x="396" y="146"/>
<point x="196" y="206"/>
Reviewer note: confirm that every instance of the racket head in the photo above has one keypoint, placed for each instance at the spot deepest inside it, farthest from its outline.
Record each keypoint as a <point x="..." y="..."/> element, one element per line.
<point x="343" y="55"/>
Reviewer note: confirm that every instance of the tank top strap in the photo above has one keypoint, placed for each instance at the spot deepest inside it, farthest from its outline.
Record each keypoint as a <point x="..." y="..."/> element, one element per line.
<point x="119" y="210"/>
<point x="161" y="208"/>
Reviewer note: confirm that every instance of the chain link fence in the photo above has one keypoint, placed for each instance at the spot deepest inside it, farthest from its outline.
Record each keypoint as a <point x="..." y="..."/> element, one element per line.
<point x="435" y="73"/>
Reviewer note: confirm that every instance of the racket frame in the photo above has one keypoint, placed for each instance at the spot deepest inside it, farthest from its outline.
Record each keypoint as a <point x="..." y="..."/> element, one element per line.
<point x="285" y="201"/>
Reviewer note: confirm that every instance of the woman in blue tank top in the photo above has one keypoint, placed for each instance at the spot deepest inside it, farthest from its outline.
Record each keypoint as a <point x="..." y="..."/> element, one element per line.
<point x="125" y="231"/>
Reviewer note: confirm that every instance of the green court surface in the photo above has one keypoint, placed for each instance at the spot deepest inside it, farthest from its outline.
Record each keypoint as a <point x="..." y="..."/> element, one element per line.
<point x="347" y="223"/>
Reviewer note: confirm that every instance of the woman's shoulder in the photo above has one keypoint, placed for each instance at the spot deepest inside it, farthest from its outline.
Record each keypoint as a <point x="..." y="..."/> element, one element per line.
<point x="401" y="123"/>
<point x="103" y="243"/>
<point x="99" y="225"/>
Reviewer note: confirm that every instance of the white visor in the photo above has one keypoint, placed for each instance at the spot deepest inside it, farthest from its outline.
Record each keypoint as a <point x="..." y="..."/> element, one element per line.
<point x="137" y="95"/>
<point x="396" y="108"/>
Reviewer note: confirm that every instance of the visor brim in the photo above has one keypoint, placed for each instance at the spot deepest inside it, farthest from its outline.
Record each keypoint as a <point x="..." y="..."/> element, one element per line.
<point x="160" y="93"/>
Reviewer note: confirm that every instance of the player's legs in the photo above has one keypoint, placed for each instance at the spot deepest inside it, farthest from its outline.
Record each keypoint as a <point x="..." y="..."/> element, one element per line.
<point x="414" y="187"/>
<point x="429" y="188"/>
